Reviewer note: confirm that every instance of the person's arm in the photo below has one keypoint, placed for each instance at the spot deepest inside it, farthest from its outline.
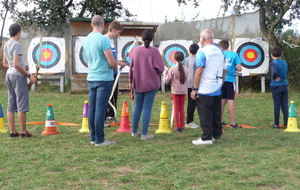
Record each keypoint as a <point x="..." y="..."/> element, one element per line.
<point x="238" y="67"/>
<point x="274" y="72"/>
<point x="197" y="79"/>
<point x="16" y="64"/>
<point x="5" y="63"/>
<point x="110" y="58"/>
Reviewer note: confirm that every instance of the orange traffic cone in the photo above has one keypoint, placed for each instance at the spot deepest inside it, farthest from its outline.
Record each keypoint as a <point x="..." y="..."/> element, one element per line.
<point x="85" y="123"/>
<point x="124" y="124"/>
<point x="2" y="129"/>
<point x="163" y="126"/>
<point x="50" y="128"/>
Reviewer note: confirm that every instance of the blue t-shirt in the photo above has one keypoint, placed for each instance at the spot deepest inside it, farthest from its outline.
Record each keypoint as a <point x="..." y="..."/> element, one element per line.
<point x="279" y="69"/>
<point x="211" y="57"/>
<point x="98" y="67"/>
<point x="232" y="60"/>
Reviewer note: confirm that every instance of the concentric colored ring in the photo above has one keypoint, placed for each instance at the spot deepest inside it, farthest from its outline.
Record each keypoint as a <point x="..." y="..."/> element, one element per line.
<point x="126" y="49"/>
<point x="50" y="54"/>
<point x="251" y="55"/>
<point x="82" y="57"/>
<point x="170" y="50"/>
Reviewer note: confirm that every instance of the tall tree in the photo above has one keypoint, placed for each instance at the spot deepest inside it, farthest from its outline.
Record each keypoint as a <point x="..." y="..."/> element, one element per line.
<point x="273" y="14"/>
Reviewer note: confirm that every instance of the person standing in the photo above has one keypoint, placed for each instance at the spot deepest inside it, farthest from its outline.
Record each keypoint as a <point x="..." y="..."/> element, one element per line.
<point x="145" y="67"/>
<point x="16" y="81"/>
<point x="101" y="64"/>
<point x="233" y="62"/>
<point x="114" y="30"/>
<point x="279" y="87"/>
<point x="190" y="63"/>
<point x="209" y="76"/>
<point x="177" y="75"/>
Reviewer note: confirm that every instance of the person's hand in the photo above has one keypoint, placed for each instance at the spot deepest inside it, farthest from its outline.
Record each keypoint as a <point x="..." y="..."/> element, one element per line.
<point x="122" y="64"/>
<point x="26" y="67"/>
<point x="277" y="79"/>
<point x="193" y="94"/>
<point x="32" y="79"/>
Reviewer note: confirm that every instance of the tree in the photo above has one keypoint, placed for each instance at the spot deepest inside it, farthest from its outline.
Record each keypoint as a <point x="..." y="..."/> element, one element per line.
<point x="273" y="14"/>
<point x="6" y="5"/>
<point x="57" y="12"/>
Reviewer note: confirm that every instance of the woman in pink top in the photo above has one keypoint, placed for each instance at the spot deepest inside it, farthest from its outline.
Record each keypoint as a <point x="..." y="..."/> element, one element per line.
<point x="177" y="75"/>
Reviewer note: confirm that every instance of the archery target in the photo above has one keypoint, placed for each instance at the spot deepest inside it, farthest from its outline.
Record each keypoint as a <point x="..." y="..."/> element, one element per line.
<point x="123" y="45"/>
<point x="170" y="47"/>
<point x="80" y="59"/>
<point x="52" y="55"/>
<point x="254" y="55"/>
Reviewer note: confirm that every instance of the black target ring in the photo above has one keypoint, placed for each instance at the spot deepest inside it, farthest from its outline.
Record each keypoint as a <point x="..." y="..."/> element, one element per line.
<point x="126" y="49"/>
<point x="82" y="57"/>
<point x="170" y="50"/>
<point x="51" y="46"/>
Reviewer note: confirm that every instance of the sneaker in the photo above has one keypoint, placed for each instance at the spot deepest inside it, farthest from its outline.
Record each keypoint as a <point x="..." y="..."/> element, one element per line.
<point x="12" y="135"/>
<point x="199" y="141"/>
<point x="275" y="126"/>
<point x="26" y="135"/>
<point x="192" y="125"/>
<point x="106" y="124"/>
<point x="145" y="137"/>
<point x="179" y="130"/>
<point x="223" y="123"/>
<point x="236" y="126"/>
<point x="93" y="142"/>
<point x="111" y="120"/>
<point x="135" y="134"/>
<point x="105" y="143"/>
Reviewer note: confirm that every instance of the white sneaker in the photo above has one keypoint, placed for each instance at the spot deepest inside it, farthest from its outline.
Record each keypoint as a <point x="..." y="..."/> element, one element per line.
<point x="145" y="137"/>
<point x="93" y="142"/>
<point x="199" y="141"/>
<point x="105" y="143"/>
<point x="135" y="134"/>
<point x="192" y="125"/>
<point x="106" y="124"/>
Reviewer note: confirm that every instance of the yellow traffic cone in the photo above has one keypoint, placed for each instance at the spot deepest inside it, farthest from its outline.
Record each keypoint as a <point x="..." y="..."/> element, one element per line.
<point x="292" y="125"/>
<point x="85" y="123"/>
<point x="163" y="126"/>
<point x="2" y="129"/>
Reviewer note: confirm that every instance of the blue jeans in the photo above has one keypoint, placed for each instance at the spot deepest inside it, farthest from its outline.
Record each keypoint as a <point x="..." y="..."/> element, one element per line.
<point x="280" y="100"/>
<point x="99" y="92"/>
<point x="143" y="103"/>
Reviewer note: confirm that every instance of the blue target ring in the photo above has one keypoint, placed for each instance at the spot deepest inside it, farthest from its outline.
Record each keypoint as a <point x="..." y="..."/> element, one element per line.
<point x="50" y="54"/>
<point x="82" y="57"/>
<point x="251" y="55"/>
<point x="170" y="50"/>
<point x="126" y="49"/>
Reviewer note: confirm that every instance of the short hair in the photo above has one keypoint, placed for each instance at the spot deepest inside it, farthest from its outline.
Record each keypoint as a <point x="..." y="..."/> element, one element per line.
<point x="194" y="48"/>
<point x="97" y="20"/>
<point x="276" y="51"/>
<point x="224" y="44"/>
<point x="115" y="25"/>
<point x="14" y="29"/>
<point x="147" y="37"/>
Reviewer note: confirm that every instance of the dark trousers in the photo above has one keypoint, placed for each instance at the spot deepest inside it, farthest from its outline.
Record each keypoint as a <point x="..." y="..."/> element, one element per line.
<point x="280" y="100"/>
<point x="113" y="100"/>
<point x="209" y="111"/>
<point x="191" y="106"/>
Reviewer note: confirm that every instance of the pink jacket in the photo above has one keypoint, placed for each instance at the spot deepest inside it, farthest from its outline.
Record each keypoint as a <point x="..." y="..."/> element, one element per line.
<point x="173" y="77"/>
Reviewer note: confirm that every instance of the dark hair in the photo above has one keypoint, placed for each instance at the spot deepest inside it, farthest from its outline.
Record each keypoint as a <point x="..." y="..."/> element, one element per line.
<point x="14" y="29"/>
<point x="178" y="56"/>
<point x="223" y="44"/>
<point x="147" y="37"/>
<point x="193" y="49"/>
<point x="276" y="51"/>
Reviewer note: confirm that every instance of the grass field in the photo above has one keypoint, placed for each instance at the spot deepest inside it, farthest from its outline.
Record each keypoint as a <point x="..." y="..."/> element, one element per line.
<point x="256" y="158"/>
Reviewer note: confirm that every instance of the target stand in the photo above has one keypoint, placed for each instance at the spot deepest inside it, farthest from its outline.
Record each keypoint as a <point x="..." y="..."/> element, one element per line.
<point x="58" y="77"/>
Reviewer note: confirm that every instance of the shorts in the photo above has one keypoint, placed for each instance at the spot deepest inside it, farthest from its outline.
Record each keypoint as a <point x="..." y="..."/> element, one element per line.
<point x="228" y="90"/>
<point x="18" y="98"/>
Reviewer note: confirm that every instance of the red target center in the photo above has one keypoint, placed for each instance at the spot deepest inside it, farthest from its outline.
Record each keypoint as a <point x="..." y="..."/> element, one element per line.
<point x="250" y="55"/>
<point x="47" y="55"/>
<point x="171" y="56"/>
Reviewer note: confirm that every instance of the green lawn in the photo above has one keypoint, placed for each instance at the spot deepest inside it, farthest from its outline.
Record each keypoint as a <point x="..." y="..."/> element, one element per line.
<point x="252" y="158"/>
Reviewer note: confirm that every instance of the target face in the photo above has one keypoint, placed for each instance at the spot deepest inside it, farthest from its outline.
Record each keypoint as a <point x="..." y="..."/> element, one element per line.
<point x="52" y="55"/>
<point x="170" y="51"/>
<point x="81" y="65"/>
<point x="251" y="55"/>
<point x="126" y="49"/>
<point x="82" y="57"/>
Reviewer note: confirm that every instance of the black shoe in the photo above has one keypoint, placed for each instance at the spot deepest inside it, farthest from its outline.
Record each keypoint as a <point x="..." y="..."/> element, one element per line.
<point x="236" y="126"/>
<point x="26" y="135"/>
<point x="179" y="130"/>
<point x="275" y="126"/>
<point x="223" y="123"/>
<point x="12" y="135"/>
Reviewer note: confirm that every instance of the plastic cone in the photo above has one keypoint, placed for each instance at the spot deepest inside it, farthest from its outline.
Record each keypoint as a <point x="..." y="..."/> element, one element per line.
<point x="2" y="129"/>
<point x="292" y="125"/>
<point x="85" y="123"/>
<point x="163" y="126"/>
<point x="124" y="123"/>
<point x="50" y="127"/>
